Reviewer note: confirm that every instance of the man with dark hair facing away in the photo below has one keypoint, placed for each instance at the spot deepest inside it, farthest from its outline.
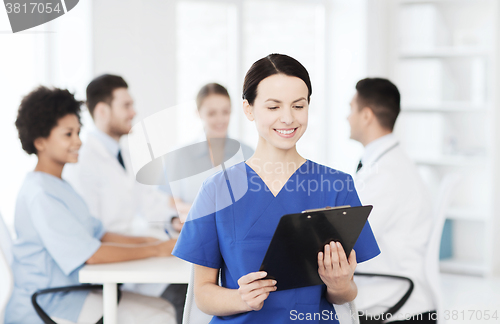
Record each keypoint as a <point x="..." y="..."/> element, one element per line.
<point x="401" y="218"/>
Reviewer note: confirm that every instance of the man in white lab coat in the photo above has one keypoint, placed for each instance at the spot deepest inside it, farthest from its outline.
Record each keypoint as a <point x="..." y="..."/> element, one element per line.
<point x="104" y="178"/>
<point x="401" y="218"/>
<point x="103" y="174"/>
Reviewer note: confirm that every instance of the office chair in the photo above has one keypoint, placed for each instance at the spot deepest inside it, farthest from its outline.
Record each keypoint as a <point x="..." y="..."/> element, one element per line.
<point x="46" y="318"/>
<point x="193" y="315"/>
<point x="431" y="261"/>
<point x="448" y="184"/>
<point x="7" y="280"/>
<point x="347" y="313"/>
<point x="393" y="309"/>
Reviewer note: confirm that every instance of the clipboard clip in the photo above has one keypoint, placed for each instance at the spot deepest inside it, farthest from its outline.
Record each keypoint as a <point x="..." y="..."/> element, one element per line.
<point x="324" y="208"/>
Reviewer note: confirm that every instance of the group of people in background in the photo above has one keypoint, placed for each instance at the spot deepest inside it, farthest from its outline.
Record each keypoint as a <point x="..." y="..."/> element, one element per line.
<point x="82" y="205"/>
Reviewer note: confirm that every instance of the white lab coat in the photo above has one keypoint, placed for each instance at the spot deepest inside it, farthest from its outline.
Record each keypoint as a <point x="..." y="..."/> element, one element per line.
<point x="401" y="220"/>
<point x="112" y="193"/>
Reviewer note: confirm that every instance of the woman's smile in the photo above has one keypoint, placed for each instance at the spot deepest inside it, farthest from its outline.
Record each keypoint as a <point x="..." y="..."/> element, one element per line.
<point x="286" y="132"/>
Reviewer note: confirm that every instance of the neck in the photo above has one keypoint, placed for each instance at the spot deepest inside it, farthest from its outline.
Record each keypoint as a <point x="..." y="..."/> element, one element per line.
<point x="107" y="130"/>
<point x="49" y="166"/>
<point x="271" y="159"/>
<point x="216" y="149"/>
<point x="208" y="135"/>
<point x="115" y="137"/>
<point x="374" y="135"/>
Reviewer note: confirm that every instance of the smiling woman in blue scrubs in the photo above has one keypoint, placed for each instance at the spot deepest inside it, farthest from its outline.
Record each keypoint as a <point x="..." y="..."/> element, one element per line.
<point x="56" y="235"/>
<point x="232" y="238"/>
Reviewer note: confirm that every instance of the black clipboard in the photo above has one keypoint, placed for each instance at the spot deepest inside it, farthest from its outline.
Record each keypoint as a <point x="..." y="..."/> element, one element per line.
<point x="292" y="256"/>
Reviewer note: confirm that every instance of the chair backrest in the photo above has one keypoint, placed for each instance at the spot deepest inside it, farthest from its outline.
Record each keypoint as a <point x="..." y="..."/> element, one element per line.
<point x="192" y="314"/>
<point x="443" y="199"/>
<point x="6" y="278"/>
<point x="347" y="312"/>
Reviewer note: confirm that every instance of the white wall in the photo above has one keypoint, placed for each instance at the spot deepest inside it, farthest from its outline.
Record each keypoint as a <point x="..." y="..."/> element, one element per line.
<point x="496" y="157"/>
<point x="379" y="29"/>
<point x="53" y="54"/>
<point x="347" y="64"/>
<point x="136" y="39"/>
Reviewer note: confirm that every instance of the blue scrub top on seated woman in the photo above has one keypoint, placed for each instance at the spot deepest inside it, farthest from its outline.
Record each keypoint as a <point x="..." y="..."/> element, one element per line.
<point x="56" y="235"/>
<point x="234" y="236"/>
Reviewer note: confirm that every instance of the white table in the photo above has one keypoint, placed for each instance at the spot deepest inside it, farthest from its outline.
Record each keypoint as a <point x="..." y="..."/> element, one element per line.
<point x="152" y="270"/>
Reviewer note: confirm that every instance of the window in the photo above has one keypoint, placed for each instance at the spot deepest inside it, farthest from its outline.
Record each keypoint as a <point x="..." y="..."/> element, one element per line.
<point x="54" y="54"/>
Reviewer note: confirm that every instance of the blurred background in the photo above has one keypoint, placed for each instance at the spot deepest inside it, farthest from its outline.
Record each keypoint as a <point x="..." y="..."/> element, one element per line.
<point x="444" y="56"/>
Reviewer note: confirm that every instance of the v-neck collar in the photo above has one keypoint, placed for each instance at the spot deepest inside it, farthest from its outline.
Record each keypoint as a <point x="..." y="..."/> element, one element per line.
<point x="266" y="188"/>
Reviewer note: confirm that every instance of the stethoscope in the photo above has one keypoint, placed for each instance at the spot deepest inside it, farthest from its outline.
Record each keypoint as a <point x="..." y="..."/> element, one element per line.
<point x="382" y="154"/>
<point x="385" y="152"/>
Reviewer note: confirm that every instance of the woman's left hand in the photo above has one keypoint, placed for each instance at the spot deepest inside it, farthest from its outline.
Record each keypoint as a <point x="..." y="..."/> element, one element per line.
<point x="335" y="269"/>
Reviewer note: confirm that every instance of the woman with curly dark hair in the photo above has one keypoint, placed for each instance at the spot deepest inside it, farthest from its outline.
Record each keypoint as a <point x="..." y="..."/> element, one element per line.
<point x="56" y="235"/>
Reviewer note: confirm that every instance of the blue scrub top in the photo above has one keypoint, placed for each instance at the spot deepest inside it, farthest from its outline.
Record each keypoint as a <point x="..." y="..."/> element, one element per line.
<point x="55" y="236"/>
<point x="234" y="237"/>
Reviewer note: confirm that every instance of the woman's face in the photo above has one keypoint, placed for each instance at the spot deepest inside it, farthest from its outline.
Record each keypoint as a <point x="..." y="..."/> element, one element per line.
<point x="63" y="142"/>
<point x="280" y="110"/>
<point x="215" y="112"/>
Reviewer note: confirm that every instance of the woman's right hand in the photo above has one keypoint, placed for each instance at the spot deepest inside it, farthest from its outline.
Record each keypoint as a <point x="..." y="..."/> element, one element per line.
<point x="253" y="290"/>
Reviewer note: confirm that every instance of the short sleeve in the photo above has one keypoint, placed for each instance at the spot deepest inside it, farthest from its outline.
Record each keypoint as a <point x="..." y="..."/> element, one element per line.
<point x="99" y="229"/>
<point x="366" y="246"/>
<point x="198" y="242"/>
<point x="66" y="239"/>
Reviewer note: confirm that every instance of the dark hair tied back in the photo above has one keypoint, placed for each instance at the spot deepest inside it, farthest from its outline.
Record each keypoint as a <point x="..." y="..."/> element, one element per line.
<point x="382" y="97"/>
<point x="270" y="65"/>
